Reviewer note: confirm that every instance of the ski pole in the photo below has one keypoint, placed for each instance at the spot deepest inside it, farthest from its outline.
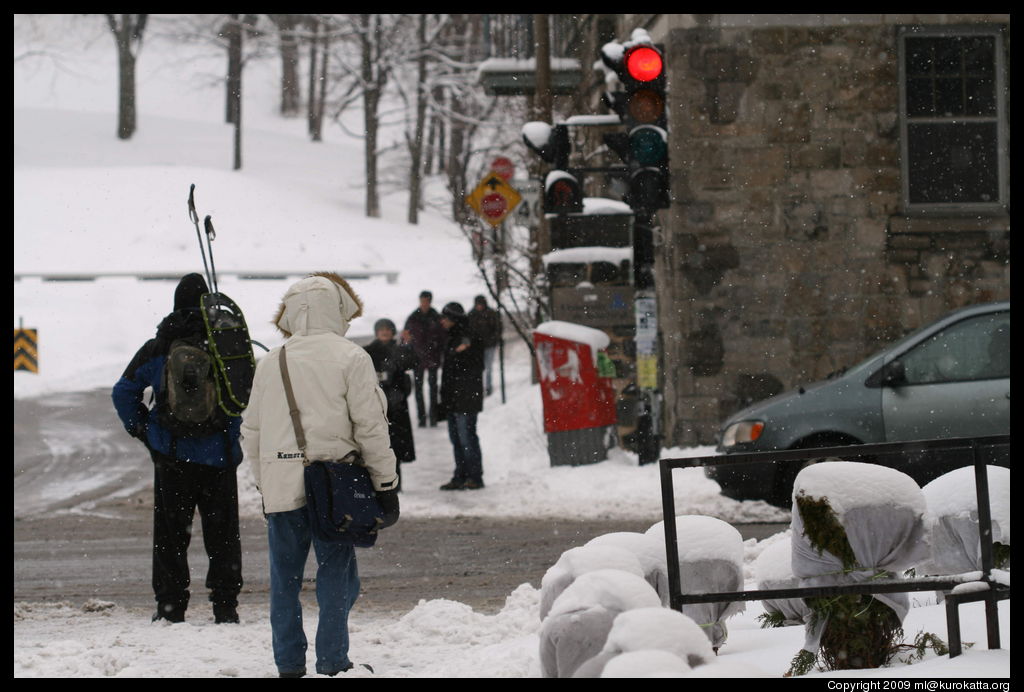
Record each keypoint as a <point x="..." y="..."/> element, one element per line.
<point x="210" y="235"/>
<point x="199" y="236"/>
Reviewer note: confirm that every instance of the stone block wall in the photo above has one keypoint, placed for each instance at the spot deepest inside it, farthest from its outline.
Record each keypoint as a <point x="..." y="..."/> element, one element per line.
<point x="786" y="254"/>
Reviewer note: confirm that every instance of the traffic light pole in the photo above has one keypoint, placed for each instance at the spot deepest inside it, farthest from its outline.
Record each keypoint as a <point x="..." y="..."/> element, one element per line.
<point x="648" y="430"/>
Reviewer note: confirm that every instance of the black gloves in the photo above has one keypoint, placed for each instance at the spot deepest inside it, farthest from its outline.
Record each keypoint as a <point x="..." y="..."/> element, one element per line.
<point x="388" y="500"/>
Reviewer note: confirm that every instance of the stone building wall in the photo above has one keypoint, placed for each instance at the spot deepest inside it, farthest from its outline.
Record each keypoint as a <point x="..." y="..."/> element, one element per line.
<point x="786" y="255"/>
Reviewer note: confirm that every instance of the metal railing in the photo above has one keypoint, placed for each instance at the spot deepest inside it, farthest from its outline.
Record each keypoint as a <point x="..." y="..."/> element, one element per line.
<point x="991" y="592"/>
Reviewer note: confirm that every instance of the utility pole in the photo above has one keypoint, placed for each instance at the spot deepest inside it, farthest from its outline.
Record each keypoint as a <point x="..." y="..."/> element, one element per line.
<point x="542" y="105"/>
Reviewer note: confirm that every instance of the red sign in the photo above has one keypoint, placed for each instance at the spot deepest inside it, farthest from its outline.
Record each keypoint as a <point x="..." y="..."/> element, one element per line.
<point x="503" y="167"/>
<point x="494" y="206"/>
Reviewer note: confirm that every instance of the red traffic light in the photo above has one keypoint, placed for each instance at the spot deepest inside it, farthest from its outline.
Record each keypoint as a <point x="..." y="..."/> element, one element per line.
<point x="644" y="64"/>
<point x="562" y="193"/>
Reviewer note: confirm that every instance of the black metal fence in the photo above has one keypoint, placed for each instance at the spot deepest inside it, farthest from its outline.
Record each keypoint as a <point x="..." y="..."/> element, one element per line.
<point x="989" y="590"/>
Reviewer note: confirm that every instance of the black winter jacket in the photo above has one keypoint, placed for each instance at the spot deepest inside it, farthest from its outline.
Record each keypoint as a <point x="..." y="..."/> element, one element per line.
<point x="462" y="389"/>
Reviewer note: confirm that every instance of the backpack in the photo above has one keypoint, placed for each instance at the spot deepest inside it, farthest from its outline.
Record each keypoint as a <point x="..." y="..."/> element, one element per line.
<point x="189" y="391"/>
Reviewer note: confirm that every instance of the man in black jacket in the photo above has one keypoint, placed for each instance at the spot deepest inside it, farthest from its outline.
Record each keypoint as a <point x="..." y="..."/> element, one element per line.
<point x="462" y="398"/>
<point x="423" y="330"/>
<point x="194" y="470"/>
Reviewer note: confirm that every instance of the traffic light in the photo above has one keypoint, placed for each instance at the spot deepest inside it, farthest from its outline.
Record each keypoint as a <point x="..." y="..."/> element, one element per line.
<point x="641" y="106"/>
<point x="550" y="143"/>
<point x="563" y="193"/>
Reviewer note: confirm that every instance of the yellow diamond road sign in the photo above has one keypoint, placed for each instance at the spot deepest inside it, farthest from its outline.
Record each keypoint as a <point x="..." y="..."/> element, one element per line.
<point x="493" y="198"/>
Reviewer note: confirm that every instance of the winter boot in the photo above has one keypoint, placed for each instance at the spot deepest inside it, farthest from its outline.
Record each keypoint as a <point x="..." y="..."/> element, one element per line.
<point x="171" y="613"/>
<point x="225" y="614"/>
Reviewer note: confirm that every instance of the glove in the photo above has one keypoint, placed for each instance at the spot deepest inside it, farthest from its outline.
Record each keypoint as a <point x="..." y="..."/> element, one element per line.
<point x="388" y="500"/>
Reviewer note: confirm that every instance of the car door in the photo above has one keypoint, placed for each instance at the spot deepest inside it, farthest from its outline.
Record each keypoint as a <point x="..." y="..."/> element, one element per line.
<point x="956" y="383"/>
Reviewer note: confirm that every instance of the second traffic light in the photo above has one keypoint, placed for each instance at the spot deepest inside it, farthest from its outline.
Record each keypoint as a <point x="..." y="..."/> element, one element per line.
<point x="563" y="193"/>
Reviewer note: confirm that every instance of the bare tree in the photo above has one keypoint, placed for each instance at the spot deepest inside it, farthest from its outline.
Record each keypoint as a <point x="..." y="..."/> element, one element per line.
<point x="127" y="30"/>
<point x="288" y="26"/>
<point x="416" y="140"/>
<point x="319" y="51"/>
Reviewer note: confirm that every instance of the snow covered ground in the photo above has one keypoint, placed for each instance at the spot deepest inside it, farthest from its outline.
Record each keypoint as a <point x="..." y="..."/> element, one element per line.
<point x="85" y="202"/>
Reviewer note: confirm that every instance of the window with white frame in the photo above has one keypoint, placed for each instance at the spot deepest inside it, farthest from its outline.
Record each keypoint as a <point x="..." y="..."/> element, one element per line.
<point x="953" y="119"/>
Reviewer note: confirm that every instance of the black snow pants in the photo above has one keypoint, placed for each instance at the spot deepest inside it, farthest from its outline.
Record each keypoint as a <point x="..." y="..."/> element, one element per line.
<point x="180" y="487"/>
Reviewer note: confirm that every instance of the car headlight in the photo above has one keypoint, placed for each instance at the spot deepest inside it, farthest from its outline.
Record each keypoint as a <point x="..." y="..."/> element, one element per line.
<point x="742" y="432"/>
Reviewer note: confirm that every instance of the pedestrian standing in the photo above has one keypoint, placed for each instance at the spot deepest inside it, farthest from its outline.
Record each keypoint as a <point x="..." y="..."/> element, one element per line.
<point x="423" y="330"/>
<point x="485" y="323"/>
<point x="392" y="361"/>
<point x="193" y="468"/>
<point x="343" y="413"/>
<point x="462" y="398"/>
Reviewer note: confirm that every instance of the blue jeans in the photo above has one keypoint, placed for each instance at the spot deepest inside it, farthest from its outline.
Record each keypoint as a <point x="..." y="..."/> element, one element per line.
<point x="337" y="587"/>
<point x="489" y="369"/>
<point x="469" y="465"/>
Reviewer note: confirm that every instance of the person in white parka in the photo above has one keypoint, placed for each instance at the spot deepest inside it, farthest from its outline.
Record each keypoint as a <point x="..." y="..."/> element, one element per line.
<point x="343" y="413"/>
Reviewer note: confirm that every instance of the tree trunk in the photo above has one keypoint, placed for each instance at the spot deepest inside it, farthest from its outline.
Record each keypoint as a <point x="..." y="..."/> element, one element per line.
<point x="127" y="33"/>
<point x="126" y="93"/>
<point x="289" y="46"/>
<point x="233" y="31"/>
<point x="416" y="146"/>
<point x="372" y="86"/>
<point x="318" y="120"/>
<point x="311" y="109"/>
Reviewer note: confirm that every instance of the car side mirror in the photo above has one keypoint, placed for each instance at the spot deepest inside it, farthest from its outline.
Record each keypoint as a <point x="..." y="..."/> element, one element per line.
<point x="892" y="374"/>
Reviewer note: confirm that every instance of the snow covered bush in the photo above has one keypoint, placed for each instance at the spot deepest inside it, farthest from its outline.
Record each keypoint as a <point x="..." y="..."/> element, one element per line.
<point x="577" y="626"/>
<point x="773" y="569"/>
<point x="853" y="522"/>
<point x="647" y="629"/>
<point x="576" y="561"/>
<point x="647" y="663"/>
<point x="710" y="561"/>
<point x="953" y="521"/>
<point x="647" y="550"/>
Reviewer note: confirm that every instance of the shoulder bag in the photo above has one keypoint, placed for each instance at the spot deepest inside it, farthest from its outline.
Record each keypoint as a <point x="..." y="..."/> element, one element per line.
<point x="340" y="498"/>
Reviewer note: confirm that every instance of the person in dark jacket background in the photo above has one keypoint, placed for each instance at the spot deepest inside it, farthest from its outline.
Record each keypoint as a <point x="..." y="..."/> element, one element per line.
<point x="485" y="322"/>
<point x="392" y="360"/>
<point x="189" y="472"/>
<point x="462" y="398"/>
<point x="423" y="330"/>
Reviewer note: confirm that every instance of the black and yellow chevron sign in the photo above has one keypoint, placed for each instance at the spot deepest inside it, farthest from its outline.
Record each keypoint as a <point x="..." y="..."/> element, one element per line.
<point x="26" y="357"/>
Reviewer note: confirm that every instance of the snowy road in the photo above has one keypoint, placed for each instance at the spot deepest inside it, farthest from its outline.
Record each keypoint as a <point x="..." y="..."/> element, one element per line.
<point x="83" y="514"/>
<point x="71" y="452"/>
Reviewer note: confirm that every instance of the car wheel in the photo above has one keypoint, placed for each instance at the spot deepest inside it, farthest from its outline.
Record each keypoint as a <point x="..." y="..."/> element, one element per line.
<point x="785" y="475"/>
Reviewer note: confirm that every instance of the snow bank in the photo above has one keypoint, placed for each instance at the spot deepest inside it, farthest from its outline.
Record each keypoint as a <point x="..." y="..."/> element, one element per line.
<point x="703" y="538"/>
<point x="611" y="589"/>
<point x="578" y="561"/>
<point x="645" y="664"/>
<point x="663" y="629"/>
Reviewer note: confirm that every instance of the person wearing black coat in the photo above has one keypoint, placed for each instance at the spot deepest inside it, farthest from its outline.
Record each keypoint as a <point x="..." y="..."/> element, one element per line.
<point x="461" y="398"/>
<point x="485" y="322"/>
<point x="423" y="330"/>
<point x="196" y="471"/>
<point x="392" y="360"/>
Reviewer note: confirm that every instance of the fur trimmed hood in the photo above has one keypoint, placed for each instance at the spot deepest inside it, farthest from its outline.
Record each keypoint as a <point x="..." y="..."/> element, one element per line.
<point x="321" y="302"/>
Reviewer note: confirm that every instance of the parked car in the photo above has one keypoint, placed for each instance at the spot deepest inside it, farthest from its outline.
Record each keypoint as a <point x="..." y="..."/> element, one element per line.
<point x="948" y="379"/>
